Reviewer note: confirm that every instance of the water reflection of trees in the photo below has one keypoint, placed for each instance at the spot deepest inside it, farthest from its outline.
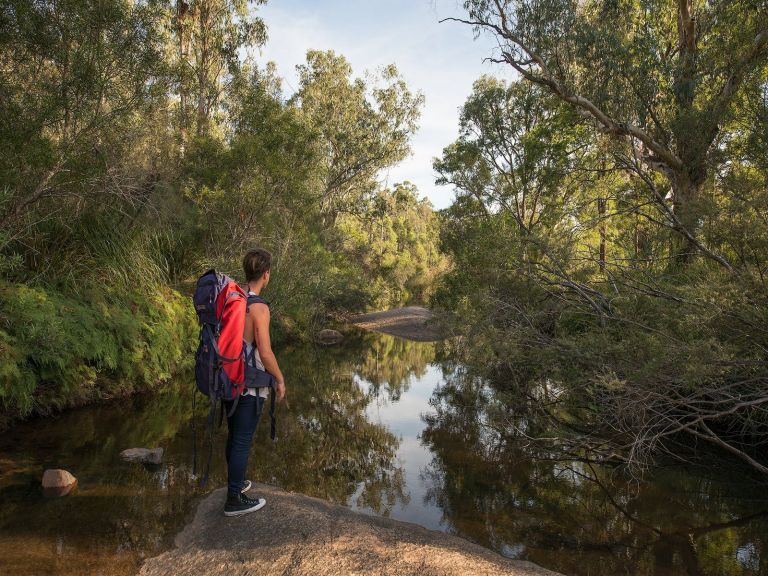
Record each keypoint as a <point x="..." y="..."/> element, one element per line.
<point x="388" y="364"/>
<point x="119" y="511"/>
<point x="499" y="486"/>
<point x="326" y="447"/>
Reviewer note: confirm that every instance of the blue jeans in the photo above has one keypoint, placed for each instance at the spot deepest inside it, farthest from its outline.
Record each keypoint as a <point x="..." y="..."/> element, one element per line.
<point x="241" y="425"/>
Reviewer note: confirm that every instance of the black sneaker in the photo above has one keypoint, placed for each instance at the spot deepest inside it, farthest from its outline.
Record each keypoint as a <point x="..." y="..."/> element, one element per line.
<point x="242" y="504"/>
<point x="246" y="486"/>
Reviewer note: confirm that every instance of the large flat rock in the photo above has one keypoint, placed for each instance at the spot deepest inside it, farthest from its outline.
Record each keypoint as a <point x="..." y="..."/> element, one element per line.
<point x="296" y="535"/>
<point x="412" y="323"/>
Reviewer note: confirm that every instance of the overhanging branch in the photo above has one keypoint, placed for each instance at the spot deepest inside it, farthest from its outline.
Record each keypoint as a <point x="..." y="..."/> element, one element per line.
<point x="547" y="80"/>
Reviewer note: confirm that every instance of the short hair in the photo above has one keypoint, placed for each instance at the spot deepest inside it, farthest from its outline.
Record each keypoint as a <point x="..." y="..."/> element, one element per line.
<point x="255" y="263"/>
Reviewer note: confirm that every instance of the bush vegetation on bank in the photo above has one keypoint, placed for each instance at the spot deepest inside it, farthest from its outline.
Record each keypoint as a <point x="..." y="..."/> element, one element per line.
<point x="59" y="351"/>
<point x="139" y="148"/>
<point x="609" y="233"/>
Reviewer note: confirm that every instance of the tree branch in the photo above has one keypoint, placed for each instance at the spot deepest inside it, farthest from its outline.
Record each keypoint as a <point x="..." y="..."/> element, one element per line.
<point x="720" y="102"/>
<point x="545" y="79"/>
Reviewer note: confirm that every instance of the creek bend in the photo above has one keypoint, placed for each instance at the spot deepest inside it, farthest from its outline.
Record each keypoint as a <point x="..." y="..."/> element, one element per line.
<point x="386" y="426"/>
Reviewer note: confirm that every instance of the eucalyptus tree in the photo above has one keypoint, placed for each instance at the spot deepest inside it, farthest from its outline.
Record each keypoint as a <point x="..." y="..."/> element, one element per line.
<point x="517" y="151"/>
<point x="254" y="185"/>
<point x="660" y="78"/>
<point x="393" y="242"/>
<point x="209" y="37"/>
<point x="362" y="127"/>
<point x="75" y="75"/>
<point x="676" y="97"/>
<point x="523" y="166"/>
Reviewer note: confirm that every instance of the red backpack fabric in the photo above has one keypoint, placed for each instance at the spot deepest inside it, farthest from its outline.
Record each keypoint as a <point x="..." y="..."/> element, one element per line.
<point x="230" y="308"/>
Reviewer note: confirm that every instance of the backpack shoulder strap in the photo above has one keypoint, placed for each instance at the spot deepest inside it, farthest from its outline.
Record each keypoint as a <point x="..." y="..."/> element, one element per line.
<point x="254" y="299"/>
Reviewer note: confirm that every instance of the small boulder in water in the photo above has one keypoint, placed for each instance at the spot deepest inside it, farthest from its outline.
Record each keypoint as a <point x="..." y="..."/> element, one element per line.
<point x="57" y="482"/>
<point x="143" y="455"/>
<point x="328" y="336"/>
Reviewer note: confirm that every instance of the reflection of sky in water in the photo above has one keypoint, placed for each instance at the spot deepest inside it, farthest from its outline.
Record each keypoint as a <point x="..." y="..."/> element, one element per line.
<point x="748" y="557"/>
<point x="512" y="550"/>
<point x="403" y="418"/>
<point x="338" y="435"/>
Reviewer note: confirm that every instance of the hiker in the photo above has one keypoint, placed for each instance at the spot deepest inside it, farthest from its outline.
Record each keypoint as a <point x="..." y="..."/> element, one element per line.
<point x="242" y="422"/>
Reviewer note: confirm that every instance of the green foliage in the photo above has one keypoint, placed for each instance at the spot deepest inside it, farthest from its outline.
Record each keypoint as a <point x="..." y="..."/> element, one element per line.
<point x="268" y="183"/>
<point x="58" y="351"/>
<point x="208" y="38"/>
<point x="395" y="246"/>
<point x="359" y="128"/>
<point x="562" y="277"/>
<point x="662" y="81"/>
<point x="138" y="148"/>
<point x="515" y="152"/>
<point x="76" y="75"/>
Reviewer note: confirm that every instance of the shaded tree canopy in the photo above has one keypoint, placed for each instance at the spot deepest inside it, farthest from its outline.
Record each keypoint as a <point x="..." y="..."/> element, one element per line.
<point x="661" y="79"/>
<point x="140" y="144"/>
<point x="608" y="233"/>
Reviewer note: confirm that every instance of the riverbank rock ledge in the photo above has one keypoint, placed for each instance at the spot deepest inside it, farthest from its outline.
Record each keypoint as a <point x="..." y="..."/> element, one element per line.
<point x="143" y="455"/>
<point x="412" y="323"/>
<point x="297" y="535"/>
<point x="328" y="336"/>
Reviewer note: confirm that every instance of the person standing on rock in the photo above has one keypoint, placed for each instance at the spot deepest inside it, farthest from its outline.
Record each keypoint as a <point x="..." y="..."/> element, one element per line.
<point x="242" y="423"/>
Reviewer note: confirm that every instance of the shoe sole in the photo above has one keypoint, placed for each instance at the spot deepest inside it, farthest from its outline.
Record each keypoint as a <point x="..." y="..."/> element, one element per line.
<point x="246" y="487"/>
<point x="258" y="506"/>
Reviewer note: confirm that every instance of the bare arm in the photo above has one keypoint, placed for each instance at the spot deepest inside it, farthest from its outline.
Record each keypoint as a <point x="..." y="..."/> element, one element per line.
<point x="260" y="316"/>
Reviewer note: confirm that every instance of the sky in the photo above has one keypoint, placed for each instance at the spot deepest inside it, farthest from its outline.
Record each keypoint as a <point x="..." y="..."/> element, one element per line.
<point x="439" y="60"/>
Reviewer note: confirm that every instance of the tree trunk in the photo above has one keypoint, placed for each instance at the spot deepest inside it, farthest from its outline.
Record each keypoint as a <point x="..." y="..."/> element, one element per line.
<point x="202" y="71"/>
<point x="16" y="212"/>
<point x="601" y="217"/>
<point x="182" y="8"/>
<point x="685" y="196"/>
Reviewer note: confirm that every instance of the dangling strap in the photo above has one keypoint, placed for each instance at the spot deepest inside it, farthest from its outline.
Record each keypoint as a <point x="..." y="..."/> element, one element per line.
<point x="273" y="423"/>
<point x="194" y="433"/>
<point x="231" y="410"/>
<point x="256" y="299"/>
<point x="211" y="421"/>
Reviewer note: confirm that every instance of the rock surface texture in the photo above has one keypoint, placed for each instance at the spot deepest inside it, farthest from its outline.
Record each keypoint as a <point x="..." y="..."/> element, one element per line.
<point x="143" y="455"/>
<point x="412" y="323"/>
<point x="297" y="535"/>
<point x="56" y="478"/>
<point x="57" y="482"/>
<point x="328" y="336"/>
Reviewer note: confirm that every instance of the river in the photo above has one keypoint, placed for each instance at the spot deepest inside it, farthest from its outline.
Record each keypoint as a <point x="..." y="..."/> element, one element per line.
<point x="388" y="427"/>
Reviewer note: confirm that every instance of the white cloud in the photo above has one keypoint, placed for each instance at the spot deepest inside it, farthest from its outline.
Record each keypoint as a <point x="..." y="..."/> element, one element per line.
<point x="440" y="60"/>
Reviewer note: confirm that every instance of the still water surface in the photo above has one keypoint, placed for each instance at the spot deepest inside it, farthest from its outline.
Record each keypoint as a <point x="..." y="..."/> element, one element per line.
<point x="387" y="427"/>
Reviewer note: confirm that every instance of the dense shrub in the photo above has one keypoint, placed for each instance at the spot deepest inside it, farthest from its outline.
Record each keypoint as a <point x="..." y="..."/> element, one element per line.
<point x="58" y="351"/>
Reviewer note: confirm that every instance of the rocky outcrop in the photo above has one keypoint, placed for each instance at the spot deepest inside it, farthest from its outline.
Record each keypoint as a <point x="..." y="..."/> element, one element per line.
<point x="412" y="323"/>
<point x="297" y="535"/>
<point x="143" y="455"/>
<point x="57" y="482"/>
<point x="328" y="336"/>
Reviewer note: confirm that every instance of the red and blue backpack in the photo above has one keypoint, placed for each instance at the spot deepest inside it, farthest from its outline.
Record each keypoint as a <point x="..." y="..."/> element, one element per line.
<point x="222" y="371"/>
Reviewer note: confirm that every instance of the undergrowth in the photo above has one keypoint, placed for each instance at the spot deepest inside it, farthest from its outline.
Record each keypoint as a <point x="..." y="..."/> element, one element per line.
<point x="57" y="351"/>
